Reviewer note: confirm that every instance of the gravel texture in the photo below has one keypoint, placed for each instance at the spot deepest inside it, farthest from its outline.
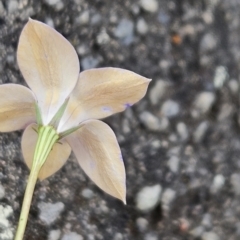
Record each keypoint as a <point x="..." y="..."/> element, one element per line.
<point x="183" y="137"/>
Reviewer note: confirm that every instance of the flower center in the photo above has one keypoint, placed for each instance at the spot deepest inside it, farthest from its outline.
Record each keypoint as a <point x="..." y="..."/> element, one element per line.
<point x="47" y="137"/>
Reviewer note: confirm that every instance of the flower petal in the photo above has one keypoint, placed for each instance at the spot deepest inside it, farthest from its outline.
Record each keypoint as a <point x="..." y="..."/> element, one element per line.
<point x="17" y="107"/>
<point x="56" y="158"/>
<point x="99" y="155"/>
<point x="49" y="65"/>
<point x="102" y="92"/>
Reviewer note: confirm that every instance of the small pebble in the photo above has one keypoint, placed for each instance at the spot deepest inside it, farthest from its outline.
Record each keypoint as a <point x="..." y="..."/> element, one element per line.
<point x="2" y="192"/>
<point x="217" y="184"/>
<point x="7" y="234"/>
<point x="182" y="131"/>
<point x="142" y="27"/>
<point x="149" y="5"/>
<point x="54" y="235"/>
<point x="163" y="17"/>
<point x="151" y="236"/>
<point x="135" y="9"/>
<point x="197" y="232"/>
<point x="207" y="221"/>
<point x="57" y="4"/>
<point x="103" y="38"/>
<point x="157" y="92"/>
<point x="12" y="6"/>
<point x="208" y="43"/>
<point x="96" y="19"/>
<point x="210" y="236"/>
<point x="49" y="212"/>
<point x="237" y="226"/>
<point x="124" y="31"/>
<point x="235" y="180"/>
<point x="87" y="193"/>
<point x="233" y="86"/>
<point x="142" y="224"/>
<point x="221" y="75"/>
<point x="200" y="132"/>
<point x="49" y="22"/>
<point x="118" y="236"/>
<point x="156" y="144"/>
<point x="170" y="109"/>
<point x="167" y="198"/>
<point x="72" y="236"/>
<point x="204" y="102"/>
<point x="173" y="163"/>
<point x="89" y="62"/>
<point x="150" y="121"/>
<point x="148" y="197"/>
<point x="83" y="18"/>
<point x="52" y="2"/>
<point x="207" y="17"/>
<point x="5" y="212"/>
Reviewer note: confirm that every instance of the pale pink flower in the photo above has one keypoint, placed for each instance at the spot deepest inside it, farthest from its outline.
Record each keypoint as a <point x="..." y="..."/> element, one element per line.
<point x="71" y="103"/>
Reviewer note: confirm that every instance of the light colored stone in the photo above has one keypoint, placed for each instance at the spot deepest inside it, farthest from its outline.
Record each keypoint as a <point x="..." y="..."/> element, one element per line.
<point x="157" y="92"/>
<point x="170" y="109"/>
<point x="12" y="6"/>
<point x="72" y="236"/>
<point x="142" y="27"/>
<point x="96" y="19"/>
<point x="182" y="131"/>
<point x="173" y="163"/>
<point x="148" y="197"/>
<point x="233" y="86"/>
<point x="54" y="235"/>
<point x="49" y="21"/>
<point x="124" y="29"/>
<point x="151" y="236"/>
<point x="49" y="212"/>
<point x="87" y="193"/>
<point x="218" y="183"/>
<point x="204" y="102"/>
<point x="153" y="123"/>
<point x="83" y="18"/>
<point x="89" y="62"/>
<point x="142" y="224"/>
<point x="2" y="192"/>
<point x="5" y="212"/>
<point x="220" y="77"/>
<point x="208" y="17"/>
<point x="149" y="5"/>
<point x="56" y="4"/>
<point x="103" y="38"/>
<point x="197" y="232"/>
<point x="167" y="198"/>
<point x="210" y="236"/>
<point x="207" y="220"/>
<point x="208" y="43"/>
<point x="52" y="2"/>
<point x="200" y="132"/>
<point x="235" y="182"/>
<point x="7" y="234"/>
<point x="118" y="236"/>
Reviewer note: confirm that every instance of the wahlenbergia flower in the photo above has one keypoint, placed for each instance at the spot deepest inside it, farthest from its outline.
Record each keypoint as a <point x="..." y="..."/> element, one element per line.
<point x="60" y="111"/>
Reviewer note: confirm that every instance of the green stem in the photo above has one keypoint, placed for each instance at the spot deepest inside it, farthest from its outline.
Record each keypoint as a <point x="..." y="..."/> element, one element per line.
<point x="47" y="137"/>
<point x="26" y="203"/>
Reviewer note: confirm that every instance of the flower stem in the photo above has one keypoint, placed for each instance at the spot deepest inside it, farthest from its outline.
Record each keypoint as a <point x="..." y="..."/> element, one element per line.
<point x="47" y="137"/>
<point x="26" y="203"/>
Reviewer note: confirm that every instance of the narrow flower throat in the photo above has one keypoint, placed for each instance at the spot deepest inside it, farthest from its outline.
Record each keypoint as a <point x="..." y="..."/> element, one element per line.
<point x="47" y="137"/>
